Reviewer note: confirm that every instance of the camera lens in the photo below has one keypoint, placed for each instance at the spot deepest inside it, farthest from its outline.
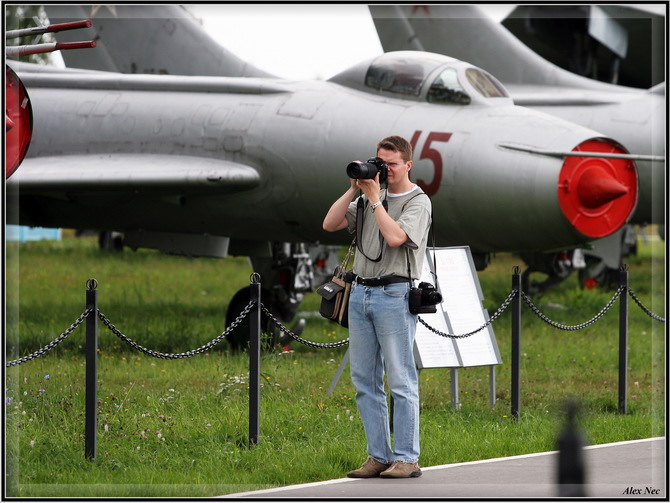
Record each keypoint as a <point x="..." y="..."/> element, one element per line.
<point x="361" y="170"/>
<point x="430" y="295"/>
<point x="435" y="297"/>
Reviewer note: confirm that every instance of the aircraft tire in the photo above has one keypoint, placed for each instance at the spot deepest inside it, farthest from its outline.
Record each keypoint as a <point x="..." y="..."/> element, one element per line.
<point x="110" y="241"/>
<point x="606" y="278"/>
<point x="239" y="338"/>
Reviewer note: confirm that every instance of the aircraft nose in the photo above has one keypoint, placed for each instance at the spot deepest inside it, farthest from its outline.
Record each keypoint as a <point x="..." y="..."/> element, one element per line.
<point x="597" y="187"/>
<point x="597" y="194"/>
<point x="18" y="121"/>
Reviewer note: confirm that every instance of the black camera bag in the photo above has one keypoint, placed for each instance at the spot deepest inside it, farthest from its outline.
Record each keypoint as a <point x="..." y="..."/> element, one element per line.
<point x="335" y="293"/>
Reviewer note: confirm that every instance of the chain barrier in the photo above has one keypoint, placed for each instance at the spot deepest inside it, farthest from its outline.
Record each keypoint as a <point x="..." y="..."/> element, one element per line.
<point x="283" y="329"/>
<point x="53" y="343"/>
<point x="173" y="356"/>
<point x="572" y="327"/>
<point x="254" y="360"/>
<point x="286" y="331"/>
<point x="644" y="308"/>
<point x="495" y="316"/>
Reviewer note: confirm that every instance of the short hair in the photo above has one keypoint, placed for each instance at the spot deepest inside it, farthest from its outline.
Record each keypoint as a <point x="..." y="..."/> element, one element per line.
<point x="397" y="144"/>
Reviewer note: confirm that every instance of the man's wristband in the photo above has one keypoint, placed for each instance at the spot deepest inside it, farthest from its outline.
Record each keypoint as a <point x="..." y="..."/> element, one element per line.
<point x="374" y="206"/>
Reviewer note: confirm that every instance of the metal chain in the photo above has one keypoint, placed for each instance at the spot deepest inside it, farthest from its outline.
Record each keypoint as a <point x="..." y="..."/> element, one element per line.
<point x="344" y="342"/>
<point x="53" y="343"/>
<point x="495" y="316"/>
<point x="187" y="354"/>
<point x="639" y="303"/>
<point x="300" y="339"/>
<point x="572" y="327"/>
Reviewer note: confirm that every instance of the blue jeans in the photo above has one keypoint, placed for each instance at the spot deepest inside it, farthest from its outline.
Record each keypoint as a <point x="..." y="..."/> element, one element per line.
<point x="381" y="334"/>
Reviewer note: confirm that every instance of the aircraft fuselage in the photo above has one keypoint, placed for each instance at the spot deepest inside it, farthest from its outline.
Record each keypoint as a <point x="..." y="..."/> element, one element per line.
<point x="299" y="137"/>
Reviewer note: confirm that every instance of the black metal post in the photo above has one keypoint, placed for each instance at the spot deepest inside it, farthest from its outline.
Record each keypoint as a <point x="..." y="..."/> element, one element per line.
<point x="571" y="463"/>
<point x="255" y="361"/>
<point x="623" y="341"/>
<point x="91" y="369"/>
<point x="516" y="343"/>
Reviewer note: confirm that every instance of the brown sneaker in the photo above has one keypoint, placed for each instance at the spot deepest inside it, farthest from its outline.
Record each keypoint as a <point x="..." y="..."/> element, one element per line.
<point x="370" y="469"/>
<point x="401" y="470"/>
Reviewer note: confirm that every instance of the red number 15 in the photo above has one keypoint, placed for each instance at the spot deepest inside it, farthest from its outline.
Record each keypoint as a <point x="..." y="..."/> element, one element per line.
<point x="435" y="156"/>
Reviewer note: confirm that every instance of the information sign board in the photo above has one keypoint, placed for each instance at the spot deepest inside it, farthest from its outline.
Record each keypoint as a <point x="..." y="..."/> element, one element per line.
<point x="460" y="312"/>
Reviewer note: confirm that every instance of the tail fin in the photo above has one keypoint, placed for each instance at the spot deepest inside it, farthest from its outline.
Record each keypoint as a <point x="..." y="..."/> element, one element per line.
<point x="465" y="32"/>
<point x="160" y="39"/>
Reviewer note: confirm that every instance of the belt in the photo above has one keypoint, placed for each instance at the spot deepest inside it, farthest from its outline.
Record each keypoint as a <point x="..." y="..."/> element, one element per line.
<point x="381" y="280"/>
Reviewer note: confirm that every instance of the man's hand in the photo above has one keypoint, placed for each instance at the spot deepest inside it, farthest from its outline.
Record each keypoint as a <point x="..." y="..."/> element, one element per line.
<point x="370" y="188"/>
<point x="336" y="218"/>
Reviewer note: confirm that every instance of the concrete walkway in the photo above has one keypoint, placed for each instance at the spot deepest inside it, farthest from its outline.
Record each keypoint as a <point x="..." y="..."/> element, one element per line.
<point x="634" y="469"/>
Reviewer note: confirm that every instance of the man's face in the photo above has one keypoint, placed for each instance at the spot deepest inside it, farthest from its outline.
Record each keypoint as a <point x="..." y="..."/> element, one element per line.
<point x="398" y="168"/>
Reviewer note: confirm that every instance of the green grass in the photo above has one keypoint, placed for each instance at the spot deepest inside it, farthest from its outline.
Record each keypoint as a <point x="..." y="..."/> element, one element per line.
<point x="180" y="427"/>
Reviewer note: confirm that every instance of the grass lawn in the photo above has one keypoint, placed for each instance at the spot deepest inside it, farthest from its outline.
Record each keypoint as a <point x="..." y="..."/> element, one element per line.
<point x="179" y="428"/>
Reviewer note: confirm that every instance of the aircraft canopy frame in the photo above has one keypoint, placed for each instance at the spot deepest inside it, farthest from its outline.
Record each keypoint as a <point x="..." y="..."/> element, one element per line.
<point x="421" y="76"/>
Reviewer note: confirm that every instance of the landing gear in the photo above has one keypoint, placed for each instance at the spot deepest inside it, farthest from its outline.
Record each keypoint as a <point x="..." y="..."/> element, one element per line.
<point x="599" y="275"/>
<point x="271" y="335"/>
<point x="557" y="266"/>
<point x="110" y="241"/>
<point x="603" y="262"/>
<point x="597" y="266"/>
<point x="239" y="337"/>
<point x="286" y="276"/>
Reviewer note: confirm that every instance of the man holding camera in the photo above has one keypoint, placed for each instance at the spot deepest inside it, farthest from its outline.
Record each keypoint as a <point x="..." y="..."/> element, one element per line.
<point x="392" y="241"/>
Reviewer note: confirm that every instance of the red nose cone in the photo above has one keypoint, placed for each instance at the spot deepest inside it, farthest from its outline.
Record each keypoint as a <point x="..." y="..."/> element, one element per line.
<point x="597" y="187"/>
<point x="596" y="194"/>
<point x="18" y="122"/>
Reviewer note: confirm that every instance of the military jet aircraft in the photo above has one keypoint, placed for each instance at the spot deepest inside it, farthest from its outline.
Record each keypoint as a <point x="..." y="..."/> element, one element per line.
<point x="636" y="117"/>
<point x="210" y="166"/>
<point x="180" y="36"/>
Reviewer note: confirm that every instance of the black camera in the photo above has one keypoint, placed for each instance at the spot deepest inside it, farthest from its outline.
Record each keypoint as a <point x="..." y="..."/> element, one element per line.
<point x="424" y="299"/>
<point x="368" y="170"/>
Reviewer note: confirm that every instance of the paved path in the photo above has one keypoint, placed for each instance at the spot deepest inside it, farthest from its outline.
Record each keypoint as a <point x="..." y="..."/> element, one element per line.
<point x="623" y="469"/>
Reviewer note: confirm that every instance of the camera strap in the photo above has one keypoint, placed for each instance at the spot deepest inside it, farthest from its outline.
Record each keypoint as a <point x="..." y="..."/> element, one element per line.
<point x="433" y="272"/>
<point x="360" y="210"/>
<point x="432" y="234"/>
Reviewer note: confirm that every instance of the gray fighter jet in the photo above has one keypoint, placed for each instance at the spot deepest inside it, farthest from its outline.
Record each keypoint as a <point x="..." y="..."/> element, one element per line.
<point x="180" y="37"/>
<point x="211" y="166"/>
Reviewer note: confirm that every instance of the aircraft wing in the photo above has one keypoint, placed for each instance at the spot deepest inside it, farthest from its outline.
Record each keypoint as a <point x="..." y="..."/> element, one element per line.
<point x="540" y="95"/>
<point x="544" y="95"/>
<point x="164" y="175"/>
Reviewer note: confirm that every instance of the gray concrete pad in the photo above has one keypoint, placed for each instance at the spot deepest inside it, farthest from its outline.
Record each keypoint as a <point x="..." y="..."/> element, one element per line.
<point x="629" y="470"/>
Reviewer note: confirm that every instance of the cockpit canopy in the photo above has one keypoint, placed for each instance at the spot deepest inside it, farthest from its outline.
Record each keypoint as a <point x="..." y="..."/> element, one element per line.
<point x="422" y="76"/>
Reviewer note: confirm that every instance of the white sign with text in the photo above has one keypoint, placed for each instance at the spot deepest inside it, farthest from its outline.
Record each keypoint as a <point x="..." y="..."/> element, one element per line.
<point x="460" y="312"/>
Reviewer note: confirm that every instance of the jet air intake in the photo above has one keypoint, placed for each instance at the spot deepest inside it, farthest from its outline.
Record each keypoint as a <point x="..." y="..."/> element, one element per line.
<point x="18" y="121"/>
<point x="596" y="188"/>
<point x="597" y="194"/>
